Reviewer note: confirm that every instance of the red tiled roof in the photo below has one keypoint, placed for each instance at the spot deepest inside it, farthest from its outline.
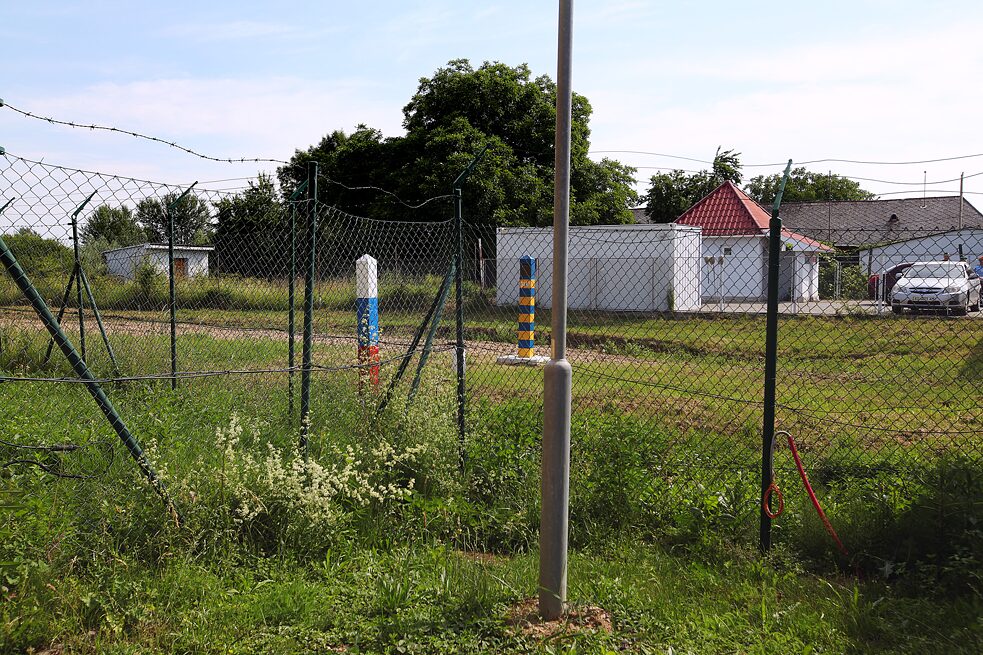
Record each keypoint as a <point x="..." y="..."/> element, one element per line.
<point x="728" y="211"/>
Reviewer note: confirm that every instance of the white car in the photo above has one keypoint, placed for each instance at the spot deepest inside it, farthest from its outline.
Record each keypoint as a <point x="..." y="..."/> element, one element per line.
<point x="949" y="286"/>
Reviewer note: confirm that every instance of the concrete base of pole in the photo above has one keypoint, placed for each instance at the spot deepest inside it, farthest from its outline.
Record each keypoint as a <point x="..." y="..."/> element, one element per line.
<point x="512" y="360"/>
<point x="553" y="527"/>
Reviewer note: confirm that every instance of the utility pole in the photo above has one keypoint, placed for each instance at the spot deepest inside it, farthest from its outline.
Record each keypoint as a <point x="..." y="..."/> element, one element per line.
<point x="558" y="374"/>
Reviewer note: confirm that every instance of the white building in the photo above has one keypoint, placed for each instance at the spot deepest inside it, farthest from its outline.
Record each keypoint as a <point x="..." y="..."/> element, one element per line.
<point x="611" y="267"/>
<point x="735" y="250"/>
<point x="189" y="261"/>
<point x="965" y="244"/>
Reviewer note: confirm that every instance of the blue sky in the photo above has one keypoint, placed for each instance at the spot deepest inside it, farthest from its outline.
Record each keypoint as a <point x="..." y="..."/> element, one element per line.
<point x="866" y="80"/>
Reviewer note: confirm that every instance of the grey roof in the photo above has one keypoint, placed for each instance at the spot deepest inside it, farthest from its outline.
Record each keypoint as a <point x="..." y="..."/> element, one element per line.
<point x="160" y="246"/>
<point x="639" y="216"/>
<point x="867" y="222"/>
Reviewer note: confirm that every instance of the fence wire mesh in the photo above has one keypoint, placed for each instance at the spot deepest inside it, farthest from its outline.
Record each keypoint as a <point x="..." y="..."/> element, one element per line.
<point x="879" y="360"/>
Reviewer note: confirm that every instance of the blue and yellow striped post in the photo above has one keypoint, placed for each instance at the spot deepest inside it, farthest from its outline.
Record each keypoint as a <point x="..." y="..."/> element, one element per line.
<point x="527" y="317"/>
<point x="527" y="306"/>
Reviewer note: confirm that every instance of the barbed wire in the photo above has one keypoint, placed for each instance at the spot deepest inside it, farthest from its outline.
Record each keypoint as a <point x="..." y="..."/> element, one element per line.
<point x="138" y="135"/>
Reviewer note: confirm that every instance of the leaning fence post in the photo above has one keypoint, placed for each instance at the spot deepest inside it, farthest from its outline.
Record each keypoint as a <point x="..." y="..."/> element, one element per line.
<point x="82" y="370"/>
<point x="172" y="297"/>
<point x="771" y="361"/>
<point x="307" y="357"/>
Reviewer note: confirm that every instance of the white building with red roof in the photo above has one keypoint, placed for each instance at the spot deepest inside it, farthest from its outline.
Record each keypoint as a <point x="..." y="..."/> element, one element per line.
<point x="735" y="250"/>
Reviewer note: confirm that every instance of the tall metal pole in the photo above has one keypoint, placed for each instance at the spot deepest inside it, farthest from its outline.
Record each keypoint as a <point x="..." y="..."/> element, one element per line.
<point x="558" y="374"/>
<point x="771" y="359"/>
<point x="307" y="356"/>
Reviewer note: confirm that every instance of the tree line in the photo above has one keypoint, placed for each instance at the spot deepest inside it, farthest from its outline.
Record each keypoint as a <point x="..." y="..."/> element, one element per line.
<point x="454" y="114"/>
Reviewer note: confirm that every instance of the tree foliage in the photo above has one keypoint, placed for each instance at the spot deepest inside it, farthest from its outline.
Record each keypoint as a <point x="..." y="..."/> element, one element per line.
<point x="670" y="194"/>
<point x="115" y="226"/>
<point x="806" y="186"/>
<point x="453" y="115"/>
<point x="191" y="219"/>
<point x="253" y="231"/>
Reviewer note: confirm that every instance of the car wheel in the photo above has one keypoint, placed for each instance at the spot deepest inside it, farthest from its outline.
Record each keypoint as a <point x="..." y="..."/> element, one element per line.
<point x="961" y="311"/>
<point x="976" y="307"/>
<point x="896" y="309"/>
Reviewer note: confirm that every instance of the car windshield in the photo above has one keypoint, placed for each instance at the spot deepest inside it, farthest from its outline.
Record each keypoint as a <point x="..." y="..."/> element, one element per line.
<point x="935" y="270"/>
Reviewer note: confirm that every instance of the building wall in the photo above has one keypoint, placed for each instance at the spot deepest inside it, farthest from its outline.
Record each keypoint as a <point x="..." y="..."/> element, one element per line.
<point x="736" y="271"/>
<point x="124" y="261"/>
<point x="930" y="248"/>
<point x="626" y="268"/>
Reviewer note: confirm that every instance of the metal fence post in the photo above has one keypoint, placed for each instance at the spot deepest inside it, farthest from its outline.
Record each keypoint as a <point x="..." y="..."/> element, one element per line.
<point x="291" y="329"/>
<point x="78" y="283"/>
<point x="172" y="295"/>
<point x="558" y="374"/>
<point x="459" y="296"/>
<point x="771" y="360"/>
<point x="311" y="271"/>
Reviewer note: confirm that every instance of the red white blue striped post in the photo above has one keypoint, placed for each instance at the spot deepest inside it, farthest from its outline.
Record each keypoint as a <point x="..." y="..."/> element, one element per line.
<point x="367" y="310"/>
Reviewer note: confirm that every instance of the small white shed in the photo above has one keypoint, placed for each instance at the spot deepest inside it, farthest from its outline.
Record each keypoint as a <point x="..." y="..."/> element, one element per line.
<point x="611" y="267"/>
<point x="189" y="261"/>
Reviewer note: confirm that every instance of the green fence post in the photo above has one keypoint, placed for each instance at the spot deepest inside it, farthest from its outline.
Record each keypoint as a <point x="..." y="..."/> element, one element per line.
<point x="307" y="355"/>
<point x="82" y="370"/>
<point x="771" y="360"/>
<point x="172" y="299"/>
<point x="291" y="329"/>
<point x="76" y="268"/>
<point x="431" y="333"/>
<point x="459" y="294"/>
<point x="95" y="311"/>
<point x="415" y="341"/>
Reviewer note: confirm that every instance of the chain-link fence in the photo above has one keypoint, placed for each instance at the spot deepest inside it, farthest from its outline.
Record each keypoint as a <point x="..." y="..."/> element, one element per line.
<point x="879" y="358"/>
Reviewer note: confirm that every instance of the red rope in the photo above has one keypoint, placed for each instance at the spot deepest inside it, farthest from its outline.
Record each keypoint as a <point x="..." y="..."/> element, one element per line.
<point x="812" y="496"/>
<point x="766" y="501"/>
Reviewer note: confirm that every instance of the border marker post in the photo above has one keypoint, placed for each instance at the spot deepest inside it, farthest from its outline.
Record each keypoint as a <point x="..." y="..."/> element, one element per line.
<point x="367" y="310"/>
<point x="526" y="342"/>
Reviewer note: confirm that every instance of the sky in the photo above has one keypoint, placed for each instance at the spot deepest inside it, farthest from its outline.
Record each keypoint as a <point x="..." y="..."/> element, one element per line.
<point x="669" y="82"/>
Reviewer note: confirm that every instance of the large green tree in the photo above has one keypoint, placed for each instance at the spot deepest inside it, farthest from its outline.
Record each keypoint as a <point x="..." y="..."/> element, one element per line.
<point x="453" y="115"/>
<point x="805" y="186"/>
<point x="252" y="236"/>
<point x="191" y="218"/>
<point x="115" y="226"/>
<point x="670" y="194"/>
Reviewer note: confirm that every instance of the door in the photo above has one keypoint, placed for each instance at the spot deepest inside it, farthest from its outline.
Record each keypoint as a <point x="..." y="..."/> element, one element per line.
<point x="180" y="267"/>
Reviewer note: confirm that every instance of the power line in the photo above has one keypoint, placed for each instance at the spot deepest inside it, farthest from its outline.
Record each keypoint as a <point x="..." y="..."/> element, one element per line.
<point x="829" y="160"/>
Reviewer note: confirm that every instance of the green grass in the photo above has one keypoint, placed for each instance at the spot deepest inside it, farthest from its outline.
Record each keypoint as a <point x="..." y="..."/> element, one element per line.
<point x="426" y="598"/>
<point x="369" y="542"/>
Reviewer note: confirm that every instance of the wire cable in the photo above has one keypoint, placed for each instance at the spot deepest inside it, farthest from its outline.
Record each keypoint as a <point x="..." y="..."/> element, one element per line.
<point x="105" y="128"/>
